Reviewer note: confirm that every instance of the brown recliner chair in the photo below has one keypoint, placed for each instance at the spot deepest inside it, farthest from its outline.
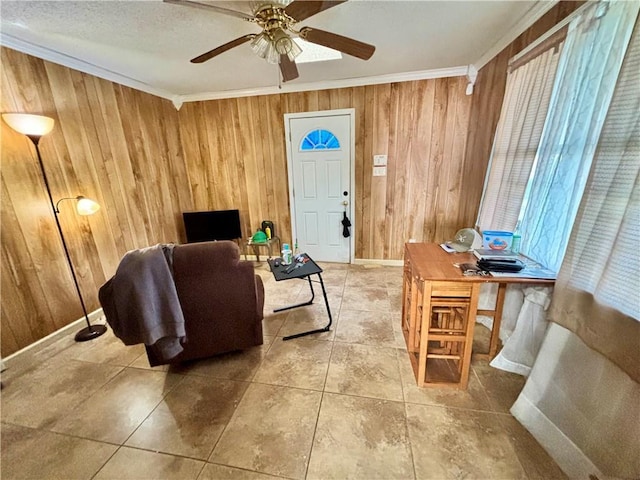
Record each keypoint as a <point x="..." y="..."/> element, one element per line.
<point x="221" y="298"/>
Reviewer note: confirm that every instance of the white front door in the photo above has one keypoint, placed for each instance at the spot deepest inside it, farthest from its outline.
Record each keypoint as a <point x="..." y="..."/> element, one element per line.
<point x="320" y="151"/>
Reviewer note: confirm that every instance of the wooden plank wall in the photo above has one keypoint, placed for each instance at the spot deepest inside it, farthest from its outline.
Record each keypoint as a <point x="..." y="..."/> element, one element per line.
<point x="240" y="150"/>
<point x="146" y="163"/>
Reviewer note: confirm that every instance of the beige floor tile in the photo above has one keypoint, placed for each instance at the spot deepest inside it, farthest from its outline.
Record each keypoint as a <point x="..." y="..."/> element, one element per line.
<point x="334" y="296"/>
<point x="371" y="278"/>
<point x="106" y="349"/>
<point x="44" y="395"/>
<point x="241" y="365"/>
<point x="283" y="292"/>
<point x="395" y="299"/>
<point x="536" y="461"/>
<point x="35" y="358"/>
<point x="364" y="370"/>
<point x="191" y="418"/>
<point x="334" y="278"/>
<point x="474" y="397"/>
<point x="272" y="321"/>
<point x="366" y="298"/>
<point x="134" y="464"/>
<point x="481" y="339"/>
<point x="143" y="362"/>
<point x="328" y="266"/>
<point x="102" y="416"/>
<point x="236" y="410"/>
<point x="502" y="387"/>
<point x="365" y="327"/>
<point x="360" y="438"/>
<point x="451" y="443"/>
<point x="271" y="431"/>
<point x="396" y="323"/>
<point x="308" y="318"/>
<point x="300" y="362"/>
<point x="220" y="472"/>
<point x="393" y="277"/>
<point x="38" y="454"/>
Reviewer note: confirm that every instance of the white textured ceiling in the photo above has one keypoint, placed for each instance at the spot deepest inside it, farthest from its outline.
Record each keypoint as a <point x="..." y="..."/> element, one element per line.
<point x="148" y="44"/>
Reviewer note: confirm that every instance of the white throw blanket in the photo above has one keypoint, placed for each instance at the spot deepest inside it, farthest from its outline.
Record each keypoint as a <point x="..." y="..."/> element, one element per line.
<point x="141" y="303"/>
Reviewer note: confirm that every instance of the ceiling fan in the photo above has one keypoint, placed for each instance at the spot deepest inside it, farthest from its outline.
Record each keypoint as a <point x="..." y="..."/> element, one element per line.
<point x="278" y="18"/>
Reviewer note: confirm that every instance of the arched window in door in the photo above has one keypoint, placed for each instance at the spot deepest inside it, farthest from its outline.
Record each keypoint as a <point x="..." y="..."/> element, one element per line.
<point x="319" y="139"/>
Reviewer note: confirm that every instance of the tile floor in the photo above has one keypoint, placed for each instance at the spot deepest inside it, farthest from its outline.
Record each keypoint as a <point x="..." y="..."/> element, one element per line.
<point x="337" y="405"/>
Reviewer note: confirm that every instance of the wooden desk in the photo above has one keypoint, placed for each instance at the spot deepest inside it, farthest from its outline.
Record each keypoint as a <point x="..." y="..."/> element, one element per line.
<point x="439" y="311"/>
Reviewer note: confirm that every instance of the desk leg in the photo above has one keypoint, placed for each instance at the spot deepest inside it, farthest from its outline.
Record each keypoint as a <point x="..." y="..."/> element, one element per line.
<point x="326" y="303"/>
<point x="497" y="320"/>
<point x="468" y="343"/>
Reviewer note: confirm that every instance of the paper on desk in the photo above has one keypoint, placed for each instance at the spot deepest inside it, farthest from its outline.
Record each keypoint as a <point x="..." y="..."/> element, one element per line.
<point x="528" y="272"/>
<point x="447" y="248"/>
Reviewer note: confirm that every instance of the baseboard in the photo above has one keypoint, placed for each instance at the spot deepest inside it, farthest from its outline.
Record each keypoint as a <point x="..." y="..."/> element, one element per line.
<point x="357" y="261"/>
<point x="376" y="261"/>
<point x="95" y="317"/>
<point x="573" y="462"/>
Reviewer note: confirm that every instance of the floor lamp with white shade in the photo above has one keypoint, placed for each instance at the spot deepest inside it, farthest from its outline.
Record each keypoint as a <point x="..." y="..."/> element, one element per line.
<point x="34" y="127"/>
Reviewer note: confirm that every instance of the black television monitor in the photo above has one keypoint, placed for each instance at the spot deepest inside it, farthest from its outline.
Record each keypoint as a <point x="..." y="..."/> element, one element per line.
<point x="212" y="225"/>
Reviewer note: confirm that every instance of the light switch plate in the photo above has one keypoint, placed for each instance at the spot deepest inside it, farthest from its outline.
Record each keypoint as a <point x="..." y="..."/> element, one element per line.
<point x="379" y="160"/>
<point x="379" y="171"/>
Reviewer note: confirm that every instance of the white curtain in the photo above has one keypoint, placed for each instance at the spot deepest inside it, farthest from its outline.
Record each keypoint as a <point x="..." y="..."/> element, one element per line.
<point x="582" y="409"/>
<point x="599" y="283"/>
<point x="582" y="398"/>
<point x="524" y="110"/>
<point x="522" y="344"/>
<point x="584" y="84"/>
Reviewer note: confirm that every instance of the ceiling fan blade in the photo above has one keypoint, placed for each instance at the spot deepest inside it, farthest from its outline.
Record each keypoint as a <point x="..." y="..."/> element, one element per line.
<point x="302" y="9"/>
<point x="346" y="45"/>
<point x="210" y="7"/>
<point x="288" y="68"/>
<point x="222" y="48"/>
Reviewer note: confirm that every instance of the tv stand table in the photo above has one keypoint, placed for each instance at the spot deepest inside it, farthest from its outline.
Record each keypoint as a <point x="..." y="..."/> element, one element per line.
<point x="303" y="271"/>
<point x="268" y="243"/>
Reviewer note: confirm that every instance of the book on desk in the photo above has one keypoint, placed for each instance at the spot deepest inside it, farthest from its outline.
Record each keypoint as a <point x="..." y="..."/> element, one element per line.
<point x="532" y="269"/>
<point x="488" y="254"/>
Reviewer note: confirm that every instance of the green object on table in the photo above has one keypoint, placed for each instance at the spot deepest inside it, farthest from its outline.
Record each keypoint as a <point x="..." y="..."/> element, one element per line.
<point x="259" y="237"/>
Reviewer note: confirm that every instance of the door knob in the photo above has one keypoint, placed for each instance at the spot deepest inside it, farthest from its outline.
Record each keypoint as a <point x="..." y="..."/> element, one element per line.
<point x="345" y="203"/>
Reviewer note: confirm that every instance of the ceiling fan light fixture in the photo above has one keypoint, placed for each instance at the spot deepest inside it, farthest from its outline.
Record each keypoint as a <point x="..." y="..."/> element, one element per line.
<point x="273" y="56"/>
<point x="261" y="45"/>
<point x="294" y="50"/>
<point x="269" y="46"/>
<point x="282" y="41"/>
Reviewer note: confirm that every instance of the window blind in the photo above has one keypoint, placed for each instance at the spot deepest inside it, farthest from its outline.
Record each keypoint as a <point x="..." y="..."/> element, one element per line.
<point x="596" y="293"/>
<point x="603" y="250"/>
<point x="524" y="110"/>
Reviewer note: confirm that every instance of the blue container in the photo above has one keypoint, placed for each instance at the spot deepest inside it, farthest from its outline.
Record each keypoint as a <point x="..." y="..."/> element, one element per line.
<point x="496" y="240"/>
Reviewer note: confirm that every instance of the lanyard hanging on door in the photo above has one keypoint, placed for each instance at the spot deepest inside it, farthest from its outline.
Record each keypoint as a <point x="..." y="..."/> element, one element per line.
<point x="346" y="223"/>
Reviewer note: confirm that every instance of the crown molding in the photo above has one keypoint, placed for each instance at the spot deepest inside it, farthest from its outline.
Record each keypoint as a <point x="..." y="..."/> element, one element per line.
<point x="178" y="100"/>
<point x="54" y="56"/>
<point x="329" y="84"/>
<point x="528" y="19"/>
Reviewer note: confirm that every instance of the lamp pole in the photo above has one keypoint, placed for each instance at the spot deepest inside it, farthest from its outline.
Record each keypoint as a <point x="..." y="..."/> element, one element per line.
<point x="90" y="331"/>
